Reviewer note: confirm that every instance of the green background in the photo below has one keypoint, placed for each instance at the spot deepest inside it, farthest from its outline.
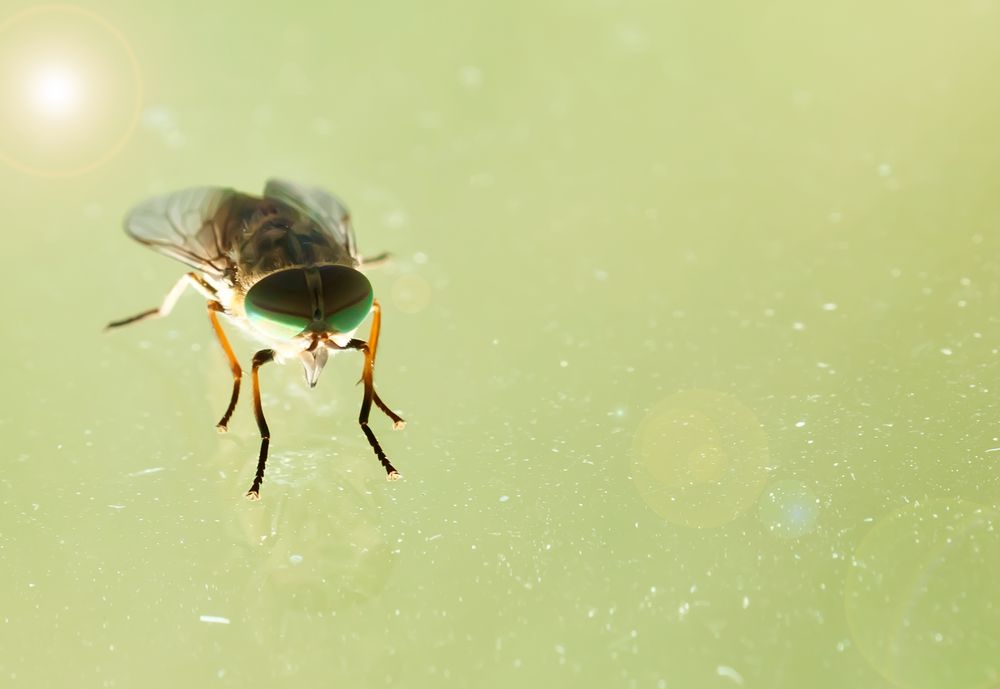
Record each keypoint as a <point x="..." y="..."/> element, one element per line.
<point x="692" y="317"/>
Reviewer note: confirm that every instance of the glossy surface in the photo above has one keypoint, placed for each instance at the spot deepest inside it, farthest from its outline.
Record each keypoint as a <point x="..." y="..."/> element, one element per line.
<point x="693" y="317"/>
<point x="280" y="304"/>
<point x="347" y="297"/>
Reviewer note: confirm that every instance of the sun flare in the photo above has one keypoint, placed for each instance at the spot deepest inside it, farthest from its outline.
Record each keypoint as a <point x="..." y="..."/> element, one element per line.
<point x="55" y="91"/>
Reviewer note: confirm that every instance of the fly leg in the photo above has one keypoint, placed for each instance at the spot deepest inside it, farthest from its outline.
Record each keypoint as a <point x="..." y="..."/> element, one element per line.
<point x="375" y="261"/>
<point x="368" y="349"/>
<point x="366" y="408"/>
<point x="214" y="308"/>
<point x="397" y="422"/>
<point x="259" y="359"/>
<point x="196" y="282"/>
<point x="187" y="280"/>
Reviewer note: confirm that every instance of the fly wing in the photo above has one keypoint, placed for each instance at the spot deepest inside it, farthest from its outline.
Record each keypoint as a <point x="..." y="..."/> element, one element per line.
<point x="321" y="206"/>
<point x="195" y="226"/>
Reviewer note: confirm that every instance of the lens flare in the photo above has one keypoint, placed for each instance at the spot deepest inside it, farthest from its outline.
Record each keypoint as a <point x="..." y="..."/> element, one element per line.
<point x="70" y="91"/>
<point x="920" y="595"/>
<point x="700" y="458"/>
<point x="55" y="91"/>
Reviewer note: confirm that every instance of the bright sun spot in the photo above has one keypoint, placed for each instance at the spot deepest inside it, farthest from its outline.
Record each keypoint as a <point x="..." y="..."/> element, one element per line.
<point x="55" y="91"/>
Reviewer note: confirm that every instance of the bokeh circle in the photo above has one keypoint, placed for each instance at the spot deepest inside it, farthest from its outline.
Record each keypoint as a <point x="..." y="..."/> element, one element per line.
<point x="923" y="596"/>
<point x="700" y="458"/>
<point x="789" y="509"/>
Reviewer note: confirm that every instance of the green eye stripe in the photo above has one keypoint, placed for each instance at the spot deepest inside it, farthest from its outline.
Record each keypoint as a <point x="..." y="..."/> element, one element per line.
<point x="347" y="318"/>
<point x="278" y="325"/>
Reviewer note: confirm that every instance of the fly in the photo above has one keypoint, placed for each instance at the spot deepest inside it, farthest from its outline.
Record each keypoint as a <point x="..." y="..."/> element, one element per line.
<point x="283" y="267"/>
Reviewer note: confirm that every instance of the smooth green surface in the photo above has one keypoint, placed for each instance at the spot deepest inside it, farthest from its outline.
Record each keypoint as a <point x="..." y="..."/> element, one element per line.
<point x="693" y="318"/>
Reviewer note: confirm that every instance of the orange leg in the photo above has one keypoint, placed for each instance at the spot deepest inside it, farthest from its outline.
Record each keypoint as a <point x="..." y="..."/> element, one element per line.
<point x="397" y="421"/>
<point x="214" y="308"/>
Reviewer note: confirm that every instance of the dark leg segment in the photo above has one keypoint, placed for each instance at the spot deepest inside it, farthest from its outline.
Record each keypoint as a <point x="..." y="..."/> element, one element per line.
<point x="259" y="359"/>
<point x="213" y="310"/>
<point x="366" y="408"/>
<point x="375" y="261"/>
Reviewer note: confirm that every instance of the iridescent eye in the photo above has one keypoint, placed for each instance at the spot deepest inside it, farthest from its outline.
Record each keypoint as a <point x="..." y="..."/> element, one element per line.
<point x="279" y="305"/>
<point x="347" y="298"/>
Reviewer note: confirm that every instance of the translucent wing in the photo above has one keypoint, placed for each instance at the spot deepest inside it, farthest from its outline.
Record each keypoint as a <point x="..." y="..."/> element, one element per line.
<point x="195" y="226"/>
<point x="321" y="206"/>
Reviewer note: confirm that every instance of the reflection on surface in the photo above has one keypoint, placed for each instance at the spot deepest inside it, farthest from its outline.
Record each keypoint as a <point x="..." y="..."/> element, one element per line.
<point x="699" y="458"/>
<point x="921" y="597"/>
<point x="318" y="541"/>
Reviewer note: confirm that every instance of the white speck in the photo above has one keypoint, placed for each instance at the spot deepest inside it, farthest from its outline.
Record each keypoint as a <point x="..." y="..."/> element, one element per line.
<point x="746" y="602"/>
<point x="884" y="170"/>
<point x="420" y="257"/>
<point x="563" y="363"/>
<point x="322" y="126"/>
<point x="146" y="472"/>
<point x="683" y="610"/>
<point x="835" y="217"/>
<point x="121" y="507"/>
<point x="938" y="637"/>
<point x="470" y="76"/>
<point x="946" y="351"/>
<point x="504" y="498"/>
<point x="994" y="449"/>
<point x="560" y="649"/>
<point x="395" y="219"/>
<point x="157" y="117"/>
<point x="295" y="559"/>
<point x="729" y="673"/>
<point x="798" y="325"/>
<point x="601" y="275"/>
<point x="632" y="38"/>
<point x="829" y="306"/>
<point x="822" y="364"/>
<point x="481" y="180"/>
<point x="434" y="537"/>
<point x="214" y="619"/>
<point x="800" y="424"/>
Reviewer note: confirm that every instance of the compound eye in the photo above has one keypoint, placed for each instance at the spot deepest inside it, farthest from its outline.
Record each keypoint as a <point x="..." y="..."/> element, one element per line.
<point x="280" y="305"/>
<point x="347" y="298"/>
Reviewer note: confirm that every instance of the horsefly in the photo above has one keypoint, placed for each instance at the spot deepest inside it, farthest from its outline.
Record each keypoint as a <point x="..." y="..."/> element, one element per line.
<point x="283" y="267"/>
